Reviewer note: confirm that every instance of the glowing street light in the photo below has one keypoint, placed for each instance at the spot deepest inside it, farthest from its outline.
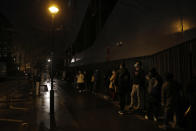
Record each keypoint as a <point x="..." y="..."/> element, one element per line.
<point x="49" y="60"/>
<point x="53" y="9"/>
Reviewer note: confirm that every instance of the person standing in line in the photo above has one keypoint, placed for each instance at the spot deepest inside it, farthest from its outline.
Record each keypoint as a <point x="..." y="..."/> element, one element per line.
<point x="96" y="81"/>
<point x="106" y="82"/>
<point x="169" y="98"/>
<point x="137" y="87"/>
<point x="80" y="81"/>
<point x="92" y="83"/>
<point x="152" y="96"/>
<point x="85" y="81"/>
<point x="73" y="78"/>
<point x="123" y="81"/>
<point x="88" y="81"/>
<point x="112" y="87"/>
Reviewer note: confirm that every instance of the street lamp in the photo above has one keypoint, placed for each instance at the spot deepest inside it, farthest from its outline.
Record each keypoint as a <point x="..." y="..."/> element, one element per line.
<point x="49" y="60"/>
<point x="53" y="9"/>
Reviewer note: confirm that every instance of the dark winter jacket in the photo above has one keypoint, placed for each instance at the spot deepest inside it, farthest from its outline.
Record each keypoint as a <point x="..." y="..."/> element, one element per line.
<point x="123" y="80"/>
<point x="140" y="78"/>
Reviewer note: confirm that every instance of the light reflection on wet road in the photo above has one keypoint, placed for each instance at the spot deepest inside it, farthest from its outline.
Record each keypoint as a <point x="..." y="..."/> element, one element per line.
<point x="75" y="111"/>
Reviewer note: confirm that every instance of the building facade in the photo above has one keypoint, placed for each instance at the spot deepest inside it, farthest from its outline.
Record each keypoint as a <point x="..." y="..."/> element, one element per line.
<point x="5" y="45"/>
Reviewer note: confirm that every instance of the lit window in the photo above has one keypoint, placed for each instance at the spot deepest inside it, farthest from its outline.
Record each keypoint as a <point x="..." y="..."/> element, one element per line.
<point x="74" y="60"/>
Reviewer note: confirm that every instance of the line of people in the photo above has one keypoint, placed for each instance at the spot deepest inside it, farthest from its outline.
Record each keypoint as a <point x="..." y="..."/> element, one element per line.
<point x="146" y="93"/>
<point x="85" y="82"/>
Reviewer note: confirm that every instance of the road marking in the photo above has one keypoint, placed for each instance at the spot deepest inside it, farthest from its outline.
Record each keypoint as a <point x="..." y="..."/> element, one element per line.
<point x="18" y="108"/>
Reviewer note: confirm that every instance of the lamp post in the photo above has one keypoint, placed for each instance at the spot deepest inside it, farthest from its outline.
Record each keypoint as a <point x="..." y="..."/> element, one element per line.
<point x="53" y="10"/>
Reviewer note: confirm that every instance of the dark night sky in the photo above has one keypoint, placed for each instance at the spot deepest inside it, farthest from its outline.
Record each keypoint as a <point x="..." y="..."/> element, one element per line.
<point x="32" y="22"/>
<point x="22" y="16"/>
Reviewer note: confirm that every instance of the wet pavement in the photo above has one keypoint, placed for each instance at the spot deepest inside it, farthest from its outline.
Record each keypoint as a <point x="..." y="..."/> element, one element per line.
<point x="73" y="112"/>
<point x="16" y="105"/>
<point x="85" y="112"/>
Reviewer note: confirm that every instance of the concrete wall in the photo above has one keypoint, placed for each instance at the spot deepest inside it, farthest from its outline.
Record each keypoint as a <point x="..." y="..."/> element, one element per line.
<point x="144" y="27"/>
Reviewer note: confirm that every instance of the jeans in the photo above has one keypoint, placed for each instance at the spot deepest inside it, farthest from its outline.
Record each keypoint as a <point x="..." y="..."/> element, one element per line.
<point x="135" y="90"/>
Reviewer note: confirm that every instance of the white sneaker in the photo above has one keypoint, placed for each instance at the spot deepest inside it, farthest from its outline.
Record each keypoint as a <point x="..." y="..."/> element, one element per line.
<point x="146" y="117"/>
<point x="155" y="119"/>
<point x="120" y="112"/>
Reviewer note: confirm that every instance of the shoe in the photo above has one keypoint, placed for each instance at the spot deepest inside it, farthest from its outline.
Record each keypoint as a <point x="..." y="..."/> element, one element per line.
<point x="146" y="117"/>
<point x="120" y="112"/>
<point x="164" y="127"/>
<point x="154" y="119"/>
<point x="137" y="108"/>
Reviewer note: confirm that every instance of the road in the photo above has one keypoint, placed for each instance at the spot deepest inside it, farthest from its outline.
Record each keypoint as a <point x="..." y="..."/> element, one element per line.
<point x="16" y="105"/>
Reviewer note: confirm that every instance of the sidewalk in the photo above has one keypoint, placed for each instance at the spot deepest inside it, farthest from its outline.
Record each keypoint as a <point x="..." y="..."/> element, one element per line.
<point x="64" y="118"/>
<point x="61" y="120"/>
<point x="139" y="115"/>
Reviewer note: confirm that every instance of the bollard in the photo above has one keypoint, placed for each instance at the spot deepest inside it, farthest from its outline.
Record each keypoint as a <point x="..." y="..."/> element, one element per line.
<point x="37" y="88"/>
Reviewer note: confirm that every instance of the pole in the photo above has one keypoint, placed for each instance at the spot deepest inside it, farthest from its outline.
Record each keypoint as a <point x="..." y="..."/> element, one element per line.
<point x="52" y="89"/>
<point x="52" y="75"/>
<point x="52" y="117"/>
